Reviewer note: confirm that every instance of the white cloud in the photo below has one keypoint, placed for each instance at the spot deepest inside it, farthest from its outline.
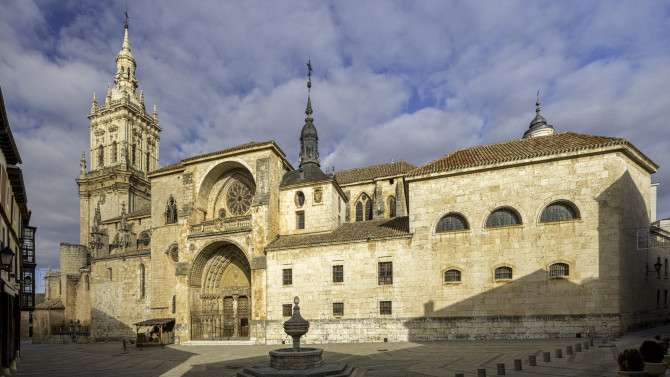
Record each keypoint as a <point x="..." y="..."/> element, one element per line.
<point x="393" y="80"/>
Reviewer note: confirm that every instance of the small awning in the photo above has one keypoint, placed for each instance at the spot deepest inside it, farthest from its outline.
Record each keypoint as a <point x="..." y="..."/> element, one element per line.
<point x="156" y="322"/>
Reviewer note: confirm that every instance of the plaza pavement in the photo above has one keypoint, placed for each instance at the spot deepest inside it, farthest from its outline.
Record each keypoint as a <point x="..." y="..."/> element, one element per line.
<point x="372" y="359"/>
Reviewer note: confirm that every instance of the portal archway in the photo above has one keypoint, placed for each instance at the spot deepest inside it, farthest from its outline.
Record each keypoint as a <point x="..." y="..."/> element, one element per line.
<point x="220" y="284"/>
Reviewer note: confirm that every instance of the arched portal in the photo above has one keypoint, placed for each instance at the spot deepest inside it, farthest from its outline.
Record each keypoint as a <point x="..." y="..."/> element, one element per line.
<point x="220" y="284"/>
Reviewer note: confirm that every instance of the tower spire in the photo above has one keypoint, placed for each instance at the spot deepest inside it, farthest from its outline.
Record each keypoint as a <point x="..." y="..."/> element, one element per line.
<point x="309" y="140"/>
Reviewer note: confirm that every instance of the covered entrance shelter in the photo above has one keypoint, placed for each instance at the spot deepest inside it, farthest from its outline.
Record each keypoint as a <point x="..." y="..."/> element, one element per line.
<point x="155" y="332"/>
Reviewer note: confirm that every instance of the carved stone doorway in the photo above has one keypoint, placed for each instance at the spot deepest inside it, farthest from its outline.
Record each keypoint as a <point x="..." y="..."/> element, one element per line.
<point x="222" y="305"/>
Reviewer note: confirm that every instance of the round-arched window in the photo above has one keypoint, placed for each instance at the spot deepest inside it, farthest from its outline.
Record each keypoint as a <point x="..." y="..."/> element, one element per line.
<point x="239" y="199"/>
<point x="559" y="211"/>
<point x="450" y="223"/>
<point x="502" y="217"/>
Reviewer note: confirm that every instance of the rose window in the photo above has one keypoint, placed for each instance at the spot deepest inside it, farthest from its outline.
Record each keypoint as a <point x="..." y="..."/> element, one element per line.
<point x="239" y="199"/>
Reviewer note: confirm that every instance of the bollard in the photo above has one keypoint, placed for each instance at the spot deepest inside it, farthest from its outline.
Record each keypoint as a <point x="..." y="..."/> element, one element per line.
<point x="532" y="361"/>
<point x="459" y="375"/>
<point x="481" y="372"/>
<point x="517" y="364"/>
<point x="578" y="347"/>
<point x="568" y="350"/>
<point x="546" y="356"/>
<point x="586" y="345"/>
<point x="501" y="369"/>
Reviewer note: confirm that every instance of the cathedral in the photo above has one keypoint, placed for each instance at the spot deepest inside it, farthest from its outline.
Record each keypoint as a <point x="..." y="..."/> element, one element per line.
<point x="529" y="238"/>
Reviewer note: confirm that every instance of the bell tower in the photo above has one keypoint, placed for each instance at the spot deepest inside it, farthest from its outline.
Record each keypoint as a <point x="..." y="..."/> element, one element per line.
<point x="123" y="148"/>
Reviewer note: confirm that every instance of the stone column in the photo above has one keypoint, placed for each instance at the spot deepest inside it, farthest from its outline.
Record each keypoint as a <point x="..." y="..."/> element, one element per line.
<point x="236" y="321"/>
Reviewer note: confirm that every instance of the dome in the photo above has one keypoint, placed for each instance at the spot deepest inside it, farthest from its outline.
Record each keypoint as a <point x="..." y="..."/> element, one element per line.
<point x="308" y="130"/>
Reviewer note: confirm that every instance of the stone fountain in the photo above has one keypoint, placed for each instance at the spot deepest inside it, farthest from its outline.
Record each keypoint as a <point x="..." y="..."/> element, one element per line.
<point x="297" y="361"/>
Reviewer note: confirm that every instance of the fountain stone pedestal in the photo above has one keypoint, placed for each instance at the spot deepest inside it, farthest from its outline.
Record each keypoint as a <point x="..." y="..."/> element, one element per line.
<point x="298" y="361"/>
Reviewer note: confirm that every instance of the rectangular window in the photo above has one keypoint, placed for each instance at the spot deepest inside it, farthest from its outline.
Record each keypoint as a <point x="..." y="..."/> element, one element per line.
<point x="338" y="309"/>
<point x="338" y="274"/>
<point x="666" y="268"/>
<point x="385" y="273"/>
<point x="287" y="276"/>
<point x="665" y="298"/>
<point x="385" y="307"/>
<point x="287" y="310"/>
<point x="300" y="219"/>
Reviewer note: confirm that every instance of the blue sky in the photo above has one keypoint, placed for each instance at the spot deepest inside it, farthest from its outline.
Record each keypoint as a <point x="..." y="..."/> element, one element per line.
<point x="393" y="80"/>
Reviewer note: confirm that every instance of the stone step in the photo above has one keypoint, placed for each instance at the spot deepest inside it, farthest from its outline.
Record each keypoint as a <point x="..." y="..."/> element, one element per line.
<point x="218" y="343"/>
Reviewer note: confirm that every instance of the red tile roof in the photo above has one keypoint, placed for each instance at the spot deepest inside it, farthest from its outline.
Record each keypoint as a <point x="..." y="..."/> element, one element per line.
<point x="364" y="230"/>
<point x="520" y="150"/>
<point x="371" y="172"/>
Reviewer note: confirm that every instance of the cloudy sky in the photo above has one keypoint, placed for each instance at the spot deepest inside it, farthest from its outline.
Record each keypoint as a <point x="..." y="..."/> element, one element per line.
<point x="393" y="80"/>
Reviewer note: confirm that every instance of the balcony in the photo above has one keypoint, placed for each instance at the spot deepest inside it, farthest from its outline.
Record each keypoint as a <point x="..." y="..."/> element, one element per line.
<point x="220" y="226"/>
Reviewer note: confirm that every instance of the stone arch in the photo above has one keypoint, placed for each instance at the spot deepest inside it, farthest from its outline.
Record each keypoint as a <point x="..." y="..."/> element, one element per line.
<point x="213" y="181"/>
<point x="220" y="292"/>
<point x="211" y="260"/>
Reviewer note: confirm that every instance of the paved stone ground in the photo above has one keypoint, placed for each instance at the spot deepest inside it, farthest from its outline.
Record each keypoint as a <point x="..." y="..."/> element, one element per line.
<point x="372" y="359"/>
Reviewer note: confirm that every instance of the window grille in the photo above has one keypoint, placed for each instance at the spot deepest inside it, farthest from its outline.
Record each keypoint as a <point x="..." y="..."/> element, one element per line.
<point x="300" y="218"/>
<point x="338" y="308"/>
<point x="287" y="276"/>
<point x="559" y="269"/>
<point x="451" y="276"/>
<point x="338" y="274"/>
<point x="385" y="307"/>
<point x="503" y="273"/>
<point x="502" y="217"/>
<point x="385" y="273"/>
<point x="287" y="310"/>
<point x="558" y="212"/>
<point x="451" y="223"/>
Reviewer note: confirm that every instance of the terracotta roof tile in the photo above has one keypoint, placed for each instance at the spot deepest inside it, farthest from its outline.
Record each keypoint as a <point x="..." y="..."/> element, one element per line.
<point x="53" y="303"/>
<point x="518" y="150"/>
<point x="374" y="229"/>
<point x="371" y="172"/>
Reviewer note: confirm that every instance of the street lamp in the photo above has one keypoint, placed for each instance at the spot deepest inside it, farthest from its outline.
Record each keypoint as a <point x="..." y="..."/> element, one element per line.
<point x="6" y="256"/>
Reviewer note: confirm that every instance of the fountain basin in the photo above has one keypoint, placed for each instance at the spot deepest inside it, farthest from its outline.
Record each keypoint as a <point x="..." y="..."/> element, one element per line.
<point x="289" y="359"/>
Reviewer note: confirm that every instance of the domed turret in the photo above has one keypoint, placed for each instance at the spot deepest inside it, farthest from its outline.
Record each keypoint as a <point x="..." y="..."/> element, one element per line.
<point x="538" y="126"/>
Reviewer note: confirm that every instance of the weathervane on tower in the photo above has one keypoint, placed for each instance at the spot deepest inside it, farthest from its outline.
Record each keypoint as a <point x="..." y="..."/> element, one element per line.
<point x="126" y="13"/>
<point x="309" y="74"/>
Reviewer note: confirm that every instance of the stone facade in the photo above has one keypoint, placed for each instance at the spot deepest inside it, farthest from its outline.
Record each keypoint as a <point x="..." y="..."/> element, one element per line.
<point x="528" y="238"/>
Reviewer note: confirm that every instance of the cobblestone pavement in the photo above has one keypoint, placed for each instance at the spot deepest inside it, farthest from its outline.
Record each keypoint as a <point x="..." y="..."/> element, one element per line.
<point x="372" y="359"/>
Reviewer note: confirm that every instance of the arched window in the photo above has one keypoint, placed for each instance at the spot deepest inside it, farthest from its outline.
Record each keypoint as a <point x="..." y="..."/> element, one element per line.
<point x="173" y="252"/>
<point x="171" y="211"/>
<point x="101" y="156"/>
<point x="451" y="222"/>
<point x="559" y="269"/>
<point x="559" y="211"/>
<point x="364" y="208"/>
<point x="391" y="203"/>
<point x="299" y="199"/>
<point x="451" y="276"/>
<point x="503" y="273"/>
<point x="142" y="280"/>
<point x="148" y="161"/>
<point x="114" y="152"/>
<point x="502" y="217"/>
